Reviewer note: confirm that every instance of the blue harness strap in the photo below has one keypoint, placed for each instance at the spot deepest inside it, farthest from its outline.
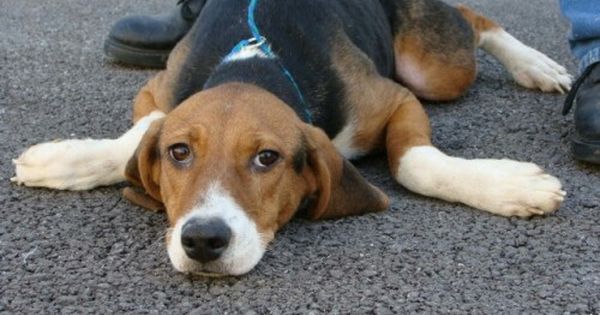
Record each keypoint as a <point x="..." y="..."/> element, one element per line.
<point x="259" y="41"/>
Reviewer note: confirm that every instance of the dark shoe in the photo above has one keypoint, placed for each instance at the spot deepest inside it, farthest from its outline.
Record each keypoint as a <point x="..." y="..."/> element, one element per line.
<point x="586" y="94"/>
<point x="147" y="40"/>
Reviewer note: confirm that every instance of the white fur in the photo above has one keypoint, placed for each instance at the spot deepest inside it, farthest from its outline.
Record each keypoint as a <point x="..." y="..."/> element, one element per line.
<point x="252" y="51"/>
<point x="344" y="142"/>
<point x="503" y="187"/>
<point x="529" y="67"/>
<point x="80" y="164"/>
<point x="246" y="246"/>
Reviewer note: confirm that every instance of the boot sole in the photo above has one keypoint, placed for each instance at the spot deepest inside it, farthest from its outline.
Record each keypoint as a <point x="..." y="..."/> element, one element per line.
<point x="587" y="151"/>
<point x="148" y="58"/>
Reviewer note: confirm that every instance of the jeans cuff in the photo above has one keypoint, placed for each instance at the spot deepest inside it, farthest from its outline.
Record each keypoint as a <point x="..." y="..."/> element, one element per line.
<point x="590" y="58"/>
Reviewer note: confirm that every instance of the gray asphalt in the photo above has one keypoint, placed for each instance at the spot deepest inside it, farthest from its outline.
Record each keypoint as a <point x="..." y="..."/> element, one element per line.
<point x="93" y="252"/>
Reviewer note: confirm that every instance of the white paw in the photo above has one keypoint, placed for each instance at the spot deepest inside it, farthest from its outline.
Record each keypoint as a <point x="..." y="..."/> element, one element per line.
<point x="534" y="70"/>
<point x="69" y="165"/>
<point x="511" y="188"/>
<point x="503" y="187"/>
<point x="80" y="164"/>
<point x="529" y="67"/>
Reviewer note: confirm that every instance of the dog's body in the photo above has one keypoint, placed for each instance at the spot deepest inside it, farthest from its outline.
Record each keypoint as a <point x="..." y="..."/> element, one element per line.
<point x="227" y="139"/>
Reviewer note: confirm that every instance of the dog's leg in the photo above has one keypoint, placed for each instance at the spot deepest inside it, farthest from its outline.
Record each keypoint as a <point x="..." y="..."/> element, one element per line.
<point x="529" y="67"/>
<point x="435" y="52"/>
<point x="503" y="187"/>
<point x="80" y="164"/>
<point x="85" y="164"/>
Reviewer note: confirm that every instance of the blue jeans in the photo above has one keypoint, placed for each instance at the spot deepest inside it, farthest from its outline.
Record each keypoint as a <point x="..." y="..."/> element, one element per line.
<point x="584" y="37"/>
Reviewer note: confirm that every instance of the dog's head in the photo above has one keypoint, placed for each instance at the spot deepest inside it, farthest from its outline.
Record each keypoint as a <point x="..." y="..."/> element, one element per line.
<point x="232" y="165"/>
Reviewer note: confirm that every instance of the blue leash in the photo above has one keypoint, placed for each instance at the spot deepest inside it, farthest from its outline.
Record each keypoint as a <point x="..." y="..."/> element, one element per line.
<point x="257" y="40"/>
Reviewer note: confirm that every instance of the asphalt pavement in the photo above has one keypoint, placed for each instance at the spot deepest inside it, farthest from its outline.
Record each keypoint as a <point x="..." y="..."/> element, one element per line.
<point x="93" y="252"/>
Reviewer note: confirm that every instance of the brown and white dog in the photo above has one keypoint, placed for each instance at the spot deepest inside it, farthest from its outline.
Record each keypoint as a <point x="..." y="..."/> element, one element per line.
<point x="233" y="143"/>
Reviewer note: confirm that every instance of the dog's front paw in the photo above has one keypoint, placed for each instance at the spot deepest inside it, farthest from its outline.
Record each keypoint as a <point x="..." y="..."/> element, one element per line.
<point x="534" y="70"/>
<point x="511" y="188"/>
<point x="68" y="165"/>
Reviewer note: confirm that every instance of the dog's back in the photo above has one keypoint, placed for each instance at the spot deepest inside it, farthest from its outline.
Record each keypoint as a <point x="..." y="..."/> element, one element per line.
<point x="302" y="34"/>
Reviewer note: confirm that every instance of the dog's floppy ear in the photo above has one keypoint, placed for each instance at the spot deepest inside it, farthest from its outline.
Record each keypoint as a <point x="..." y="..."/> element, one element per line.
<point x="341" y="190"/>
<point x="143" y="170"/>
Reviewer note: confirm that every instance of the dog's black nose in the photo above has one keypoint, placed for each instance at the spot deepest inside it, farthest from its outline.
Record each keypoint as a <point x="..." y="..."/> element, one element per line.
<point x="205" y="240"/>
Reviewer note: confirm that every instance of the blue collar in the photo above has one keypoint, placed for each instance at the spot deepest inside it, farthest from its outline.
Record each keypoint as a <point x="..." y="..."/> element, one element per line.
<point x="260" y="42"/>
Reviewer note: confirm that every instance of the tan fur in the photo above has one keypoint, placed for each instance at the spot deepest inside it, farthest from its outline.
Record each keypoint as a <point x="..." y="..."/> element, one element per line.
<point x="149" y="98"/>
<point x="342" y="191"/>
<point x="157" y="94"/>
<point x="444" y="77"/>
<point x="478" y="22"/>
<point x="142" y="170"/>
<point x="384" y="112"/>
<point x="141" y="199"/>
<point x="407" y="127"/>
<point x="369" y="97"/>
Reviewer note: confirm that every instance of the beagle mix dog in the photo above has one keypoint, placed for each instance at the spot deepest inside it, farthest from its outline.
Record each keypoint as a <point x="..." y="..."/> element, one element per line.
<point x="262" y="104"/>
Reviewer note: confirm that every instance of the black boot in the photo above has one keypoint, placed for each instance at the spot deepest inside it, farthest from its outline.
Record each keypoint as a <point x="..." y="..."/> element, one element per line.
<point x="586" y="94"/>
<point x="147" y="40"/>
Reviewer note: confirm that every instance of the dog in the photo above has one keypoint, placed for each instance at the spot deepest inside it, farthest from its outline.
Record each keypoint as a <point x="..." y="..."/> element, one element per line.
<point x="263" y="103"/>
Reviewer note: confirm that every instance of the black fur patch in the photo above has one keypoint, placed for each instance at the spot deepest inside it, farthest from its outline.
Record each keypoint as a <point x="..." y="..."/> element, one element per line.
<point x="306" y="205"/>
<point x="299" y="159"/>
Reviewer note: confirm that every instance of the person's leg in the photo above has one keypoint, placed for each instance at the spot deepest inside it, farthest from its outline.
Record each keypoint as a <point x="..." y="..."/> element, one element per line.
<point x="147" y="40"/>
<point x="584" y="39"/>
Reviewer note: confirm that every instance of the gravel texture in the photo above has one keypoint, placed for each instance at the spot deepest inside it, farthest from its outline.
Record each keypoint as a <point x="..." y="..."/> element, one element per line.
<point x="93" y="252"/>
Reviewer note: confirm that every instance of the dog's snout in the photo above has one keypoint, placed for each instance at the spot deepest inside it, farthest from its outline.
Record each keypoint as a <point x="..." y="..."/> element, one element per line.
<point x="205" y="240"/>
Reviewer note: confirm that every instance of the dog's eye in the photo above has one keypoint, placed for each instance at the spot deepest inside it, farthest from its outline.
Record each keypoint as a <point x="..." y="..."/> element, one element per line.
<point x="180" y="153"/>
<point x="265" y="159"/>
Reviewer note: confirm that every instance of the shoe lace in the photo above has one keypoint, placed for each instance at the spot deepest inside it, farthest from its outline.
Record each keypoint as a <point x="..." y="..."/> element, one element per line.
<point x="575" y="88"/>
<point x="186" y="11"/>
